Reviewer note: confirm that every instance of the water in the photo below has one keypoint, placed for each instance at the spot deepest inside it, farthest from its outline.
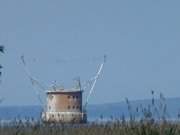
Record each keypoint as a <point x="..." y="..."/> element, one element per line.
<point x="95" y="112"/>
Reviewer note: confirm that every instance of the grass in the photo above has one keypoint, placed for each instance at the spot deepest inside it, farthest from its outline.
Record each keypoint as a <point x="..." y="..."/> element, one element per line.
<point x="108" y="128"/>
<point x="152" y="122"/>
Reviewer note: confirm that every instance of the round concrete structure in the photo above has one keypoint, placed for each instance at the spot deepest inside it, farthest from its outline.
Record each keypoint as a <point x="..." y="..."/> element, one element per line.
<point x="64" y="106"/>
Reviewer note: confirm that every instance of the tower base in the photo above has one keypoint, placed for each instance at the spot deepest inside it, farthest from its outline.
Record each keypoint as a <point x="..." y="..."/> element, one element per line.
<point x="64" y="117"/>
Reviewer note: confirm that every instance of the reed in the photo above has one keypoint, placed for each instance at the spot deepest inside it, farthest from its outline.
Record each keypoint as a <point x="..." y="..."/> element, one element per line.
<point x="152" y="122"/>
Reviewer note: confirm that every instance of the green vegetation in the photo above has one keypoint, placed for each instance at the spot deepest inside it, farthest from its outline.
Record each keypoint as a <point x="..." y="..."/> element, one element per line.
<point x="1" y="48"/>
<point x="108" y="128"/>
<point x="152" y="122"/>
<point x="1" y="51"/>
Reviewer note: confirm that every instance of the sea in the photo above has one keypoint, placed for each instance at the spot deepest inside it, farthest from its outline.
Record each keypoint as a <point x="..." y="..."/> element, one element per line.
<point x="168" y="108"/>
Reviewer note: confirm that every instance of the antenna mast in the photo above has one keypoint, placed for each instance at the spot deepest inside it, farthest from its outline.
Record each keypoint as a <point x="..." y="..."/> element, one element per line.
<point x="94" y="81"/>
<point x="33" y="80"/>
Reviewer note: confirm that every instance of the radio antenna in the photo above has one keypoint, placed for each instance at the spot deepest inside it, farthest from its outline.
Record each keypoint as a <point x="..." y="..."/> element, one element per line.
<point x="34" y="81"/>
<point x="94" y="81"/>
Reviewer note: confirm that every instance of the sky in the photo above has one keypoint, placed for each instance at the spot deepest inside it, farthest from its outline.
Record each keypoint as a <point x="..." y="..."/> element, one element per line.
<point x="64" y="39"/>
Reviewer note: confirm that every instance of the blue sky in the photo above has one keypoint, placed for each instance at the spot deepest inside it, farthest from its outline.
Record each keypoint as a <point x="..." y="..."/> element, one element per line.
<point x="59" y="39"/>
